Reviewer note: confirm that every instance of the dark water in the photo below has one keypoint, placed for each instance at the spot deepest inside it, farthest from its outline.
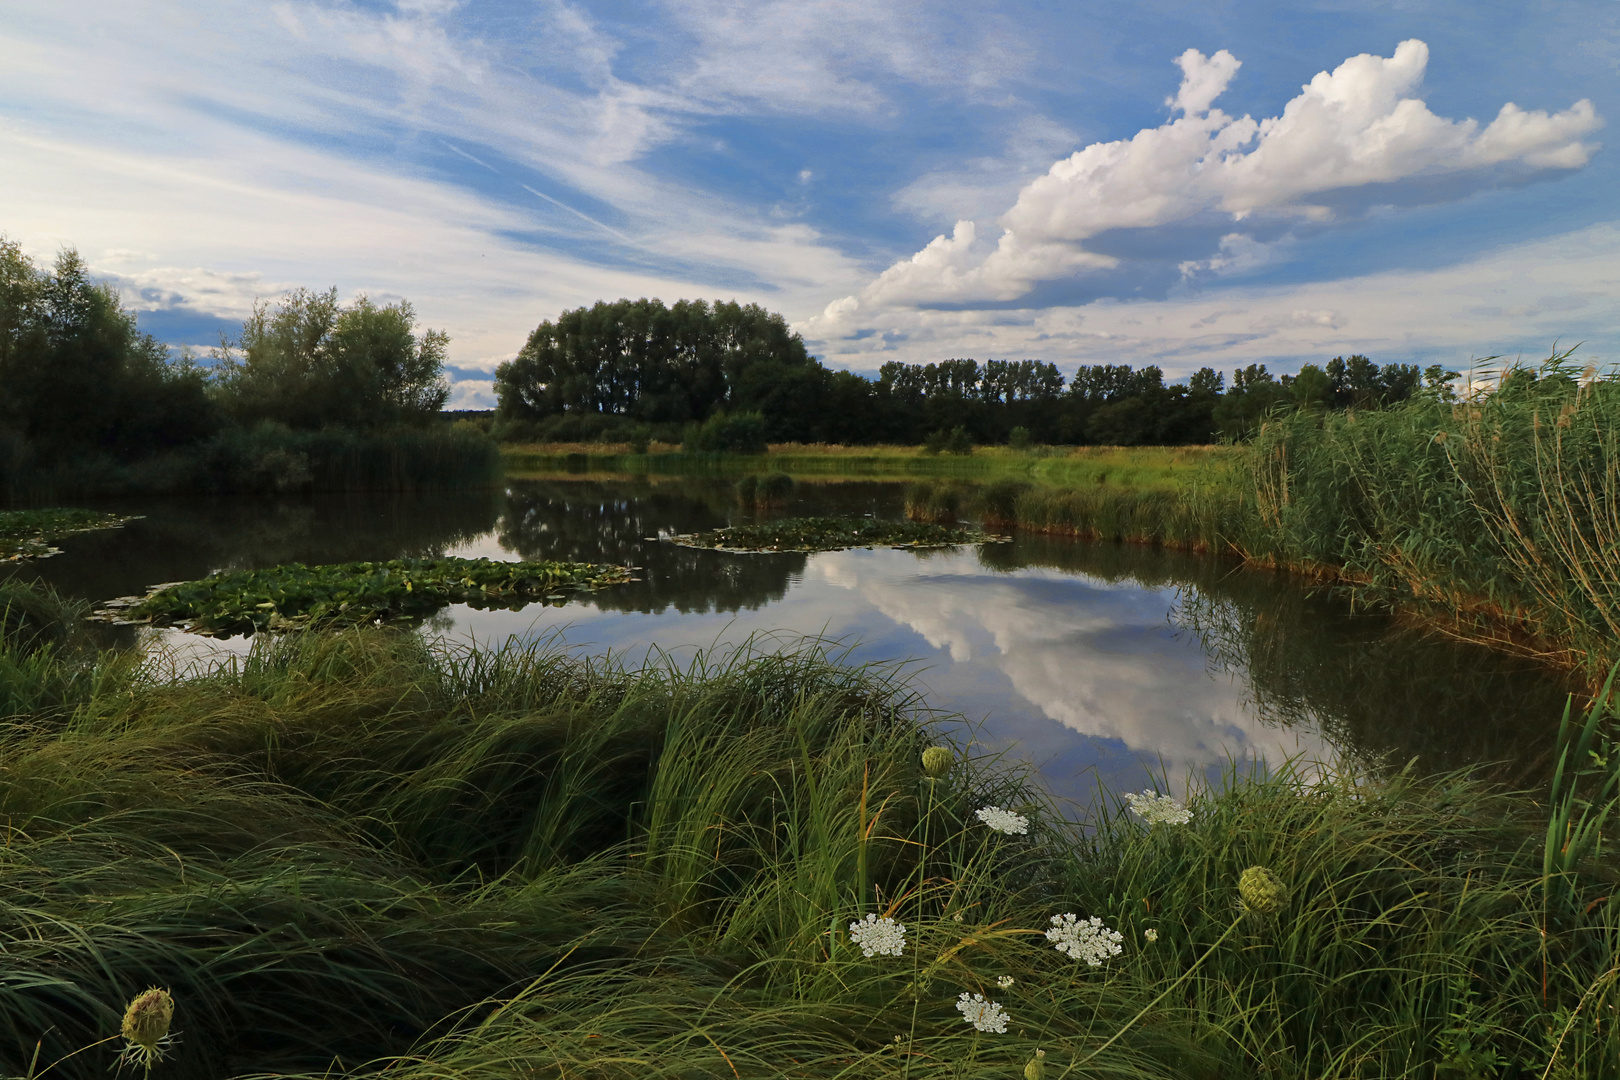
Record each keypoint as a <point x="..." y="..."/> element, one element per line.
<point x="1087" y="660"/>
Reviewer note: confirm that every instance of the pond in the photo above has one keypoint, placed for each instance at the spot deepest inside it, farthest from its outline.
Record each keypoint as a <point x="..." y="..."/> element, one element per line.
<point x="1090" y="661"/>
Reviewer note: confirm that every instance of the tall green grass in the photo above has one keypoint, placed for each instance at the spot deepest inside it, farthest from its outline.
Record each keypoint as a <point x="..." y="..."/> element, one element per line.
<point x="359" y="855"/>
<point x="1500" y="512"/>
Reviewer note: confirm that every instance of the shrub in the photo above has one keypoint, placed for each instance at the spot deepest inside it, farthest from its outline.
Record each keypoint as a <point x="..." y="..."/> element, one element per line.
<point x="738" y="433"/>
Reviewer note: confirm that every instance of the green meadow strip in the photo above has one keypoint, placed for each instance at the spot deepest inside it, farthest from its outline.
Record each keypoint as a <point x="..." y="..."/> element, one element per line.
<point x="834" y="534"/>
<point x="349" y="594"/>
<point x="32" y="534"/>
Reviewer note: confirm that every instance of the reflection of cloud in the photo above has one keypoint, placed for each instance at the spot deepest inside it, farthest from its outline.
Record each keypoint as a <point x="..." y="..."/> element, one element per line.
<point x="1098" y="658"/>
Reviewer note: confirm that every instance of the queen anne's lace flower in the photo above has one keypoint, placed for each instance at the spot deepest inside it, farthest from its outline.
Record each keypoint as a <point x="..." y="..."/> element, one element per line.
<point x="1005" y="981"/>
<point x="1084" y="939"/>
<point x="984" y="1015"/>
<point x="1151" y="934"/>
<point x="1003" y="821"/>
<point x="878" y="937"/>
<point x="1158" y="809"/>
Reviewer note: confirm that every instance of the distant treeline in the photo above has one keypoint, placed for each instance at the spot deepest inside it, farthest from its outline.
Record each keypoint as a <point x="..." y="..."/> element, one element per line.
<point x="636" y="369"/>
<point x="312" y="393"/>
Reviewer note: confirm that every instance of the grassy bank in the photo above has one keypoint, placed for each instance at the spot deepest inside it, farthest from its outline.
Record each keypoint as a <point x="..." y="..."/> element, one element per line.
<point x="1153" y="467"/>
<point x="354" y="855"/>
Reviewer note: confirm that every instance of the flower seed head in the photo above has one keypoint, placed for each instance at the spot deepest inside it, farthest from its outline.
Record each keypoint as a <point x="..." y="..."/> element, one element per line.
<point x="1035" y="1068"/>
<point x="146" y="1021"/>
<point x="937" y="761"/>
<point x="1262" y="891"/>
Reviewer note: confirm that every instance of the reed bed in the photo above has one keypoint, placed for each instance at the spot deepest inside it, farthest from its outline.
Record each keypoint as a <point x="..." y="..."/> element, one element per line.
<point x="1499" y="513"/>
<point x="359" y="855"/>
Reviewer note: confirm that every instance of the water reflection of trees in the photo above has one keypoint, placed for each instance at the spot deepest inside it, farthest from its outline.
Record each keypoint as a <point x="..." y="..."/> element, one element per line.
<point x="1384" y="692"/>
<point x="180" y="539"/>
<point x="609" y="522"/>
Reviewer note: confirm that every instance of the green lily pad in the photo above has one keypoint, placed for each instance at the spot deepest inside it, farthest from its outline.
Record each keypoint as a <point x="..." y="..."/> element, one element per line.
<point x="32" y="534"/>
<point x="295" y="596"/>
<point x="835" y="534"/>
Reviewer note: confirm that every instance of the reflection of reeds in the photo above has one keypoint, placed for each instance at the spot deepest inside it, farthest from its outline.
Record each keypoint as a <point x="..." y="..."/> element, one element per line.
<point x="936" y="501"/>
<point x="353" y="855"/>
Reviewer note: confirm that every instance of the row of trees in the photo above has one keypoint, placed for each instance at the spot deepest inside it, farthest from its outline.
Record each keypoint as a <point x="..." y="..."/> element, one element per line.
<point x="82" y="382"/>
<point x="604" y="370"/>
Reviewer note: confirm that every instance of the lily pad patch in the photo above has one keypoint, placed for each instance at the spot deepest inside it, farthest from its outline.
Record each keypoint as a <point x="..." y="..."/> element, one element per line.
<point x="294" y="596"/>
<point x="32" y="534"/>
<point x="835" y="534"/>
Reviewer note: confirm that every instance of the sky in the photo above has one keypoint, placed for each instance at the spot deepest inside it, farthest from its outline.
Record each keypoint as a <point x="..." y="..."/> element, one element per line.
<point x="1187" y="185"/>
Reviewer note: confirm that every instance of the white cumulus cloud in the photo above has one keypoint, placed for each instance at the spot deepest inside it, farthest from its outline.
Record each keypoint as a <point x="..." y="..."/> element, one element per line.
<point x="1357" y="125"/>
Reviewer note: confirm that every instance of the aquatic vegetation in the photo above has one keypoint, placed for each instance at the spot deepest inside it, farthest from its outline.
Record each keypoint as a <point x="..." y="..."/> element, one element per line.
<point x="32" y="534"/>
<point x="347" y="594"/>
<point x="772" y="490"/>
<point x="834" y="534"/>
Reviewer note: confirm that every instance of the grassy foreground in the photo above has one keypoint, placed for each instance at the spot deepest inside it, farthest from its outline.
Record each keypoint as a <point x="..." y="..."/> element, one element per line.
<point x="353" y="854"/>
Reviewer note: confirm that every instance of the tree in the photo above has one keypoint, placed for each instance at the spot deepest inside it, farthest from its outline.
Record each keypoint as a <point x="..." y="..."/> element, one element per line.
<point x="79" y="377"/>
<point x="643" y="360"/>
<point x="1254" y="394"/>
<point x="309" y="362"/>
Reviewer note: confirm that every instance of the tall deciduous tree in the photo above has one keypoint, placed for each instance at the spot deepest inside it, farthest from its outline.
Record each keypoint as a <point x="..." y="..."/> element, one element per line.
<point x="310" y="362"/>
<point x="79" y="378"/>
<point x="643" y="360"/>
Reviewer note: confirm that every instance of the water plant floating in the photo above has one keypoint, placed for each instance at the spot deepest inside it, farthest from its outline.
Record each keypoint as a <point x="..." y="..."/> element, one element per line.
<point x="293" y="596"/>
<point x="32" y="534"/>
<point x="835" y="534"/>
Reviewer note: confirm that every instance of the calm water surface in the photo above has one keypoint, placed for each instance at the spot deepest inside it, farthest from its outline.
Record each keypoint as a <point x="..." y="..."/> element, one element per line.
<point x="1086" y="660"/>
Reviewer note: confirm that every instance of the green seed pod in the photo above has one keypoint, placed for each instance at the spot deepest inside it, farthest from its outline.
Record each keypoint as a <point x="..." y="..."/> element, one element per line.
<point x="1035" y="1069"/>
<point x="146" y="1021"/>
<point x="1262" y="892"/>
<point x="937" y="760"/>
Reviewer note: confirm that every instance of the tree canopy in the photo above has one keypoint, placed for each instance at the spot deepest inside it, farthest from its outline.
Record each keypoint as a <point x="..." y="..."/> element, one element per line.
<point x="79" y="377"/>
<point x="309" y="362"/>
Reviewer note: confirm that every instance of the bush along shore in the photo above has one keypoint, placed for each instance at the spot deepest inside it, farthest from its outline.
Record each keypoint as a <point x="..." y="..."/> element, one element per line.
<point x="353" y="854"/>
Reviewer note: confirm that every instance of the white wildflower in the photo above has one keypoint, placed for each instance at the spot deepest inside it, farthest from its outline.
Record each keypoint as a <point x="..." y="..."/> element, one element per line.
<point x="1151" y="934"/>
<point x="1003" y="821"/>
<point x="878" y="937"/>
<point x="1156" y="809"/>
<point x="1004" y="981"/>
<point x="957" y="917"/>
<point x="982" y="1014"/>
<point x="1084" y="939"/>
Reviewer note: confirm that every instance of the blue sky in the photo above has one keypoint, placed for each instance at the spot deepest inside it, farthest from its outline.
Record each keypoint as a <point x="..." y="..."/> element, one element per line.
<point x="1180" y="184"/>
